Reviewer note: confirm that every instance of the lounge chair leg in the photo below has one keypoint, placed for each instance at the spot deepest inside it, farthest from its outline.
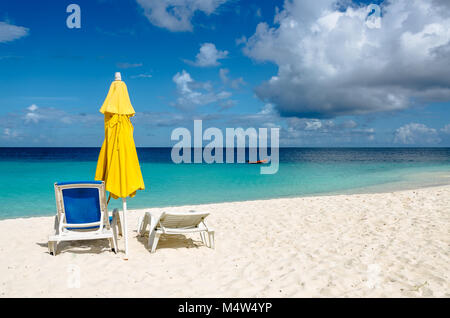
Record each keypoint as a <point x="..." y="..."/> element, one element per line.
<point x="113" y="241"/>
<point x="142" y="224"/>
<point x="203" y="238"/>
<point x="211" y="239"/>
<point x="114" y="228"/>
<point x="119" y="222"/>
<point x="153" y="240"/>
<point x="145" y="221"/>
<point x="116" y="249"/>
<point x="52" y="248"/>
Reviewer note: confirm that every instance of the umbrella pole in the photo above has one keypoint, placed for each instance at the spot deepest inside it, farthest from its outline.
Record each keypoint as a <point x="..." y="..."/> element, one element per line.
<point x="125" y="226"/>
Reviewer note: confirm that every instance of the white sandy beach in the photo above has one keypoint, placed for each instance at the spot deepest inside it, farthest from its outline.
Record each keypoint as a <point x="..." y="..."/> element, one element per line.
<point x="364" y="245"/>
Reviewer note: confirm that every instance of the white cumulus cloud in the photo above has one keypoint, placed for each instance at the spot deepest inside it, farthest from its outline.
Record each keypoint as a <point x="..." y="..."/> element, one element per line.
<point x="192" y="94"/>
<point x="330" y="63"/>
<point x="233" y="83"/>
<point x="415" y="133"/>
<point x="208" y="56"/>
<point x="32" y="114"/>
<point x="313" y="125"/>
<point x="176" y="15"/>
<point x="9" y="32"/>
<point x="32" y="108"/>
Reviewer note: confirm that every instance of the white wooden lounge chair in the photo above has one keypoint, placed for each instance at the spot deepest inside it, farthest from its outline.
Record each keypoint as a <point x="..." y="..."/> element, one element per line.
<point x="175" y="223"/>
<point x="82" y="214"/>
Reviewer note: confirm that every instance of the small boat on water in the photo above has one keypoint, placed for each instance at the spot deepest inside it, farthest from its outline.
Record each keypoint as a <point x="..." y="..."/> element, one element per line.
<point x="257" y="162"/>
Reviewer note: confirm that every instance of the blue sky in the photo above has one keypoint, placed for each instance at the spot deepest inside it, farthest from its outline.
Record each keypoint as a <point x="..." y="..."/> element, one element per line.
<point x="325" y="73"/>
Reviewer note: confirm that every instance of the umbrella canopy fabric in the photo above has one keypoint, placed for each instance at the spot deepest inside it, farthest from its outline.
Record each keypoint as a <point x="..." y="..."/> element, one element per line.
<point x="117" y="101"/>
<point x="118" y="163"/>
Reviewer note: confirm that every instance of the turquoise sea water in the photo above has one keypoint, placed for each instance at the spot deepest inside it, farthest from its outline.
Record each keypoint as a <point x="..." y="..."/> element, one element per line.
<point x="28" y="175"/>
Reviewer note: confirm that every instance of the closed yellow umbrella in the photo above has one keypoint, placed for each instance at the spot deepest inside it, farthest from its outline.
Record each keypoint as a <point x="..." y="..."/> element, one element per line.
<point x="118" y="163"/>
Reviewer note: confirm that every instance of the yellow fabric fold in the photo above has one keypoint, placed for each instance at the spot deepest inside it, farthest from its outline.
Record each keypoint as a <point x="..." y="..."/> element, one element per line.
<point x="117" y="101"/>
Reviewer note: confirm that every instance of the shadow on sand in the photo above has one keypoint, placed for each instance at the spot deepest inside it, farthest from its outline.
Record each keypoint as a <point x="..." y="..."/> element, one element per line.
<point x="81" y="247"/>
<point x="171" y="241"/>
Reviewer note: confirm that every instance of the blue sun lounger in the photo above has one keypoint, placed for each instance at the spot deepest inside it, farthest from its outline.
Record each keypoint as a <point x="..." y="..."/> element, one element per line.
<point x="82" y="214"/>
